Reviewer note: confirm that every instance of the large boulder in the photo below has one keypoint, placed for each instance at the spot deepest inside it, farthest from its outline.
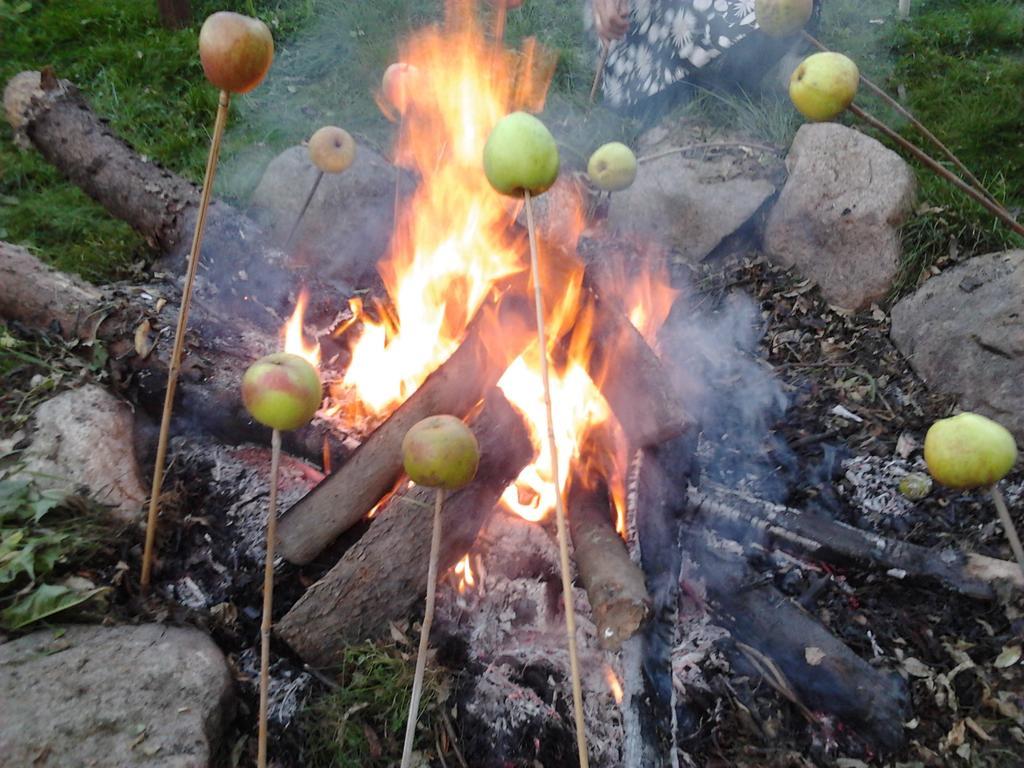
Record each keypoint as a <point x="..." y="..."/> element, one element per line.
<point x="838" y="217"/>
<point x="112" y="697"/>
<point x="348" y="223"/>
<point x="963" y="333"/>
<point x="692" y="203"/>
<point x="82" y="438"/>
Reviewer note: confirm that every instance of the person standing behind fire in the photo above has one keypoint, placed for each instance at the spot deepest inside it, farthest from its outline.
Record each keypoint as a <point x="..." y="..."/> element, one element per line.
<point x="662" y="51"/>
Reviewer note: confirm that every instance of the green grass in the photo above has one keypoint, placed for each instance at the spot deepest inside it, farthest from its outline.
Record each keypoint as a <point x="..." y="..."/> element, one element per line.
<point x="362" y="723"/>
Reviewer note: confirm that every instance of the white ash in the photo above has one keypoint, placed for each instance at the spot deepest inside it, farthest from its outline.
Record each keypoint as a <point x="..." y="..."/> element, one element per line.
<point x="287" y="689"/>
<point x="874" y="485"/>
<point x="513" y="619"/>
<point x="695" y="651"/>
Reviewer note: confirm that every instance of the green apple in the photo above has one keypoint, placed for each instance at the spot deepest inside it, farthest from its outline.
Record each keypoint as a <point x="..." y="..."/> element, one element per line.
<point x="969" y="451"/>
<point x="781" y="18"/>
<point x="824" y="85"/>
<point x="440" y="452"/>
<point x="332" y="149"/>
<point x="400" y="79"/>
<point x="236" y="51"/>
<point x="282" y="391"/>
<point x="521" y="156"/>
<point x="612" y="167"/>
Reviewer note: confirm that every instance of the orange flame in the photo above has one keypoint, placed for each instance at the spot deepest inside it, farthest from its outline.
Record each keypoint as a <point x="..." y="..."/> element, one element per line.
<point x="294" y="339"/>
<point x="464" y="571"/>
<point x="613" y="683"/>
<point x="455" y="239"/>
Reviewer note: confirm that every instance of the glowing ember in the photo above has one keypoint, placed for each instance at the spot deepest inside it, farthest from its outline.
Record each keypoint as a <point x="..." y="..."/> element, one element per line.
<point x="613" y="683"/>
<point x="464" y="571"/>
<point x="294" y="340"/>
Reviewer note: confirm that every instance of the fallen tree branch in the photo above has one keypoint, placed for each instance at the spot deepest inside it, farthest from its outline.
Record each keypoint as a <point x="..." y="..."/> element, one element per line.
<point x="383" y="576"/>
<point x="740" y="516"/>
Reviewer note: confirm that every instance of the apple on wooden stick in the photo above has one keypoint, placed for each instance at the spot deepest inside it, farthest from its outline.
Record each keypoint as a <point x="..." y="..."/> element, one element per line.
<point x="236" y="52"/>
<point x="781" y="18"/>
<point x="971" y="451"/>
<point x="331" y="150"/>
<point x="824" y="85"/>
<point x="521" y="160"/>
<point x="612" y="167"/>
<point x="438" y="452"/>
<point x="281" y="391"/>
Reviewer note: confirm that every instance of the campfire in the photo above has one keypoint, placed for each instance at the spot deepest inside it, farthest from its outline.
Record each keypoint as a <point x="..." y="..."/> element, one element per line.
<point x="670" y="550"/>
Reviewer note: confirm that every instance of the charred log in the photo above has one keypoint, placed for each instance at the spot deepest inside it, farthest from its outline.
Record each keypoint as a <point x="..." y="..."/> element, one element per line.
<point x="135" y="325"/>
<point x="497" y="336"/>
<point x="614" y="583"/>
<point x="741" y="517"/>
<point x="820" y="671"/>
<point x="383" y="576"/>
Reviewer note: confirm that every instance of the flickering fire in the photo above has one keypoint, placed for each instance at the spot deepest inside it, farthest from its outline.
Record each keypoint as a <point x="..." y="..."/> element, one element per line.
<point x="464" y="571"/>
<point x="294" y="339"/>
<point x="455" y="239"/>
<point x="613" y="683"/>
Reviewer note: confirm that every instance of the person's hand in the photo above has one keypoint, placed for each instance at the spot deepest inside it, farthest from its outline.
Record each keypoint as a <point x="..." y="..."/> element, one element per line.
<point x="611" y="18"/>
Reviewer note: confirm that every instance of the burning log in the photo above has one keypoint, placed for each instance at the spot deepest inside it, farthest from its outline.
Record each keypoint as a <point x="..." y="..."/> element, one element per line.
<point x="614" y="583"/>
<point x="127" y="320"/>
<point x="738" y="516"/>
<point x="497" y="336"/>
<point x="808" y="664"/>
<point x="384" y="575"/>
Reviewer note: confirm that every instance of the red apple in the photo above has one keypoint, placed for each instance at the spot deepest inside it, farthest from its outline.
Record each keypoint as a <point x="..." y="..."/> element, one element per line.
<point x="282" y="391"/>
<point x="236" y="51"/>
<point x="399" y="81"/>
<point x="440" y="452"/>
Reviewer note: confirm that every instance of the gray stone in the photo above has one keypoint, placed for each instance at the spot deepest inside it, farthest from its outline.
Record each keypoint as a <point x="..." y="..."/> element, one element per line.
<point x="691" y="204"/>
<point x="349" y="221"/>
<point x="838" y="217"/>
<point x="117" y="697"/>
<point x="963" y="333"/>
<point x="83" y="438"/>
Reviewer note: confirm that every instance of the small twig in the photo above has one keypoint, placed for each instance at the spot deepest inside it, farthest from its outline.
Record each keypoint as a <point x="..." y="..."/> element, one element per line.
<point x="994" y="208"/>
<point x="605" y="50"/>
<point x="302" y="211"/>
<point x="454" y="739"/>
<point x="428" y="619"/>
<point x="1008" y="526"/>
<point x="563" y="536"/>
<point x="268" y="600"/>
<point x="921" y="128"/>
<point x="174" y="366"/>
<point x="708" y="145"/>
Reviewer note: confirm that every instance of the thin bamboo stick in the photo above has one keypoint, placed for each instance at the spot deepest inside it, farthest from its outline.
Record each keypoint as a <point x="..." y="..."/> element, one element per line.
<point x="179" y="339"/>
<point x="268" y="600"/>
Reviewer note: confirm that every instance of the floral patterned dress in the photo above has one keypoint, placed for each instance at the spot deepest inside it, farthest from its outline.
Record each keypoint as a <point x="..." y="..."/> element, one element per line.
<point x="669" y="41"/>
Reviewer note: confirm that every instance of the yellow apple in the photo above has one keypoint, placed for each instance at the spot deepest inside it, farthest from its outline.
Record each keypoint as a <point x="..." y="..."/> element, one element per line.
<point x="236" y="51"/>
<point x="969" y="451"/>
<point x="824" y="85"/>
<point x="612" y="167"/>
<point x="282" y="391"/>
<point x="332" y="149"/>
<point x="781" y="18"/>
<point x="440" y="452"/>
<point x="521" y="155"/>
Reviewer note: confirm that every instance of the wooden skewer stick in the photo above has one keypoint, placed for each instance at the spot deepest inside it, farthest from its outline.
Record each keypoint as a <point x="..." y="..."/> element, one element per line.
<point x="921" y="128"/>
<point x="563" y="537"/>
<point x="1008" y="526"/>
<point x="428" y="620"/>
<point x="268" y="599"/>
<point x="994" y="208"/>
<point x="605" y="50"/>
<point x="174" y="367"/>
<point x="302" y="211"/>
